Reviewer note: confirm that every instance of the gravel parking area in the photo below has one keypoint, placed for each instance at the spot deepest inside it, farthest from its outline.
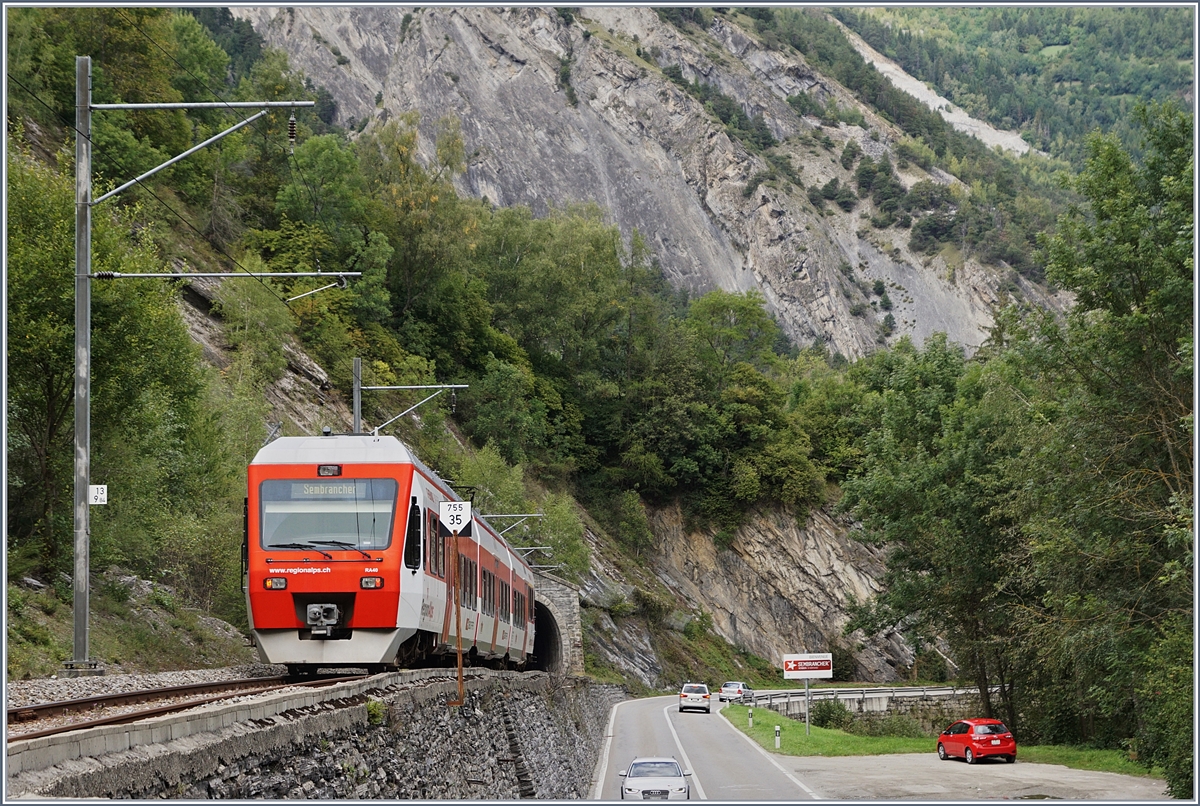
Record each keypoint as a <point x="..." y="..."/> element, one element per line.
<point x="922" y="776"/>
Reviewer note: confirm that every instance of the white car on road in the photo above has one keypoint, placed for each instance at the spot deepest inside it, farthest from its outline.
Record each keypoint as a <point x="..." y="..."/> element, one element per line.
<point x="695" y="696"/>
<point x="733" y="691"/>
<point x="655" y="778"/>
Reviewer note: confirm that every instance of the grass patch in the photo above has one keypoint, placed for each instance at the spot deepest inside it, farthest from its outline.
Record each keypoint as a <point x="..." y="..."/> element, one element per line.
<point x="1086" y="758"/>
<point x="705" y="657"/>
<point x="152" y="634"/>
<point x="793" y="741"/>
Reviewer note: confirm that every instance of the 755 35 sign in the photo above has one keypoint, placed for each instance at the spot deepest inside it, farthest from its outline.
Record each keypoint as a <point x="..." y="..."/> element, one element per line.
<point x="455" y="516"/>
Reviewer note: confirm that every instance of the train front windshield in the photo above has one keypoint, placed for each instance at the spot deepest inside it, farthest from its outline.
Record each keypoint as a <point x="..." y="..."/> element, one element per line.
<point x="296" y="514"/>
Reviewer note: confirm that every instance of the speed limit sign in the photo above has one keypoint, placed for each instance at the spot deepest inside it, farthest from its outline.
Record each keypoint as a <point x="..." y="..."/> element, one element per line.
<point x="455" y="516"/>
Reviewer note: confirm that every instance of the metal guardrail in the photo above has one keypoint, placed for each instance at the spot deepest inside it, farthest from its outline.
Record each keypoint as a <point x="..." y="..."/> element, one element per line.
<point x="770" y="698"/>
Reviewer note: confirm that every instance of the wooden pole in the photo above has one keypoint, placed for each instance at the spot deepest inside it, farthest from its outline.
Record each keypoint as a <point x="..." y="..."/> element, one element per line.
<point x="458" y="618"/>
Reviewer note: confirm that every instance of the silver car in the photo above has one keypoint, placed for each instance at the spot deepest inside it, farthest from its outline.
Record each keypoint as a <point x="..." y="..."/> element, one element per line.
<point x="655" y="779"/>
<point x="695" y="696"/>
<point x="734" y="690"/>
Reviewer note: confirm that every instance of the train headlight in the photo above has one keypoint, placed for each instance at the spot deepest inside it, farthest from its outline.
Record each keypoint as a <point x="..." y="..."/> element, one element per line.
<point x="275" y="583"/>
<point x="371" y="583"/>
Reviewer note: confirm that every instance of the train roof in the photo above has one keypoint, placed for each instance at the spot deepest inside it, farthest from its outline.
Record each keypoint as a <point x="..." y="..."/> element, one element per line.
<point x="335" y="449"/>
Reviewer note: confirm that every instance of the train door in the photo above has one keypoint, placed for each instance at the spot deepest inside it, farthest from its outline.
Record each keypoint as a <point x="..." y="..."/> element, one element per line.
<point x="410" y="603"/>
<point x="434" y="584"/>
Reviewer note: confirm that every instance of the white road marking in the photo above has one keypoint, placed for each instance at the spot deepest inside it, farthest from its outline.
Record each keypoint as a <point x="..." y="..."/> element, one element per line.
<point x="602" y="768"/>
<point x="769" y="758"/>
<point x="686" y="763"/>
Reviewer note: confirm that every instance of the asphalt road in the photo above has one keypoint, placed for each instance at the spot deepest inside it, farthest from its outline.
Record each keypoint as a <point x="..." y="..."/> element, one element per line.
<point x="726" y="765"/>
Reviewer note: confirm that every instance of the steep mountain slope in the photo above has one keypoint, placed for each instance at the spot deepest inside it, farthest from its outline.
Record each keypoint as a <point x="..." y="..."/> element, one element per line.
<point x="555" y="111"/>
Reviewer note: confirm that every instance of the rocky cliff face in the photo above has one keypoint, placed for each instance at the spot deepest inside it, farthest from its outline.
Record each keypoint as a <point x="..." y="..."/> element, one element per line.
<point x="782" y="587"/>
<point x="648" y="152"/>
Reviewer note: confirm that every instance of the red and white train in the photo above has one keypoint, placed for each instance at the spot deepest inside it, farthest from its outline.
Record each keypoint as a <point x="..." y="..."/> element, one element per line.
<point x="345" y="566"/>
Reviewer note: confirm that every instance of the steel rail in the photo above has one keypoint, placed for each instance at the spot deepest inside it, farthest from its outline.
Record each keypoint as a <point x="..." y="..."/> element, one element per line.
<point x="255" y="685"/>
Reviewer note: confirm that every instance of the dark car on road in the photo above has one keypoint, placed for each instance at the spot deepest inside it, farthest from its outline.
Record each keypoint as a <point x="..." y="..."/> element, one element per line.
<point x="976" y="739"/>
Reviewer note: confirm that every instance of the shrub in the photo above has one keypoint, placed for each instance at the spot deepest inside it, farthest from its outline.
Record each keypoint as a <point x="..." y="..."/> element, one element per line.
<point x="804" y="104"/>
<point x="886" y="725"/>
<point x="831" y="713"/>
<point x="621" y="608"/>
<point x="843" y="661"/>
<point x="700" y="626"/>
<point x="376" y="711"/>
<point x="850" y="153"/>
<point x="846" y="199"/>
<point x="653" y="607"/>
<point x="724" y="538"/>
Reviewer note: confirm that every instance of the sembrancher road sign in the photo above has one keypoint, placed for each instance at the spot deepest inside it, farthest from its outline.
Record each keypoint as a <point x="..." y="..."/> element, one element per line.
<point x="805" y="667"/>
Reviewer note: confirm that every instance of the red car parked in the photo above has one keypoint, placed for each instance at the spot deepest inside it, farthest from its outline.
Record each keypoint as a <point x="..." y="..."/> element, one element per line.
<point x="974" y="739"/>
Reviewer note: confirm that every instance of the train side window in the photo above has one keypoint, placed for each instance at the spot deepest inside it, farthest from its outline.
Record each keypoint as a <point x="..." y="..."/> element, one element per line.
<point x="412" y="541"/>
<point x="518" y="609"/>
<point x="435" y="561"/>
<point x="470" y="586"/>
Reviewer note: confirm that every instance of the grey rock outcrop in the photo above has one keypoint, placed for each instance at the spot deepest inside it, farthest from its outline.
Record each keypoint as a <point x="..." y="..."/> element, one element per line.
<point x="647" y="151"/>
<point x="781" y="587"/>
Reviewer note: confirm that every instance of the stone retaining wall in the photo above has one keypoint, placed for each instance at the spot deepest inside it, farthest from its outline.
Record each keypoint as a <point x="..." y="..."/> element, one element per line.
<point x="932" y="713"/>
<point x="515" y="736"/>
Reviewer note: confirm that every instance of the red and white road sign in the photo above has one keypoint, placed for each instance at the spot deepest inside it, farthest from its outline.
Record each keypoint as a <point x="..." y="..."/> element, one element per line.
<point x="800" y="667"/>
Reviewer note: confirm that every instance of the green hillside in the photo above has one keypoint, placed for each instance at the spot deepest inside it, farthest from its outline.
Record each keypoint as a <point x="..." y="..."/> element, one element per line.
<point x="1054" y="73"/>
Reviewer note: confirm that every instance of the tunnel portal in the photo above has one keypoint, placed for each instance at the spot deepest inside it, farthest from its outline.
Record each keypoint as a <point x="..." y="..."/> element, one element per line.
<point x="558" y="641"/>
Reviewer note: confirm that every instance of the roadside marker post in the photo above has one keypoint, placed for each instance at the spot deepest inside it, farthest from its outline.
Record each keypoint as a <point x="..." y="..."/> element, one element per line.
<point x="776" y="737"/>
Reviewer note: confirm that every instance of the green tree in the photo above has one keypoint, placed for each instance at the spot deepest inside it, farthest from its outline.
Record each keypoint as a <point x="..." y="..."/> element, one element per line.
<point x="146" y="387"/>
<point x="1107" y="466"/>
<point x="325" y="190"/>
<point x="733" y="328"/>
<point x="633" y="526"/>
<point x="505" y="411"/>
<point x="927" y="491"/>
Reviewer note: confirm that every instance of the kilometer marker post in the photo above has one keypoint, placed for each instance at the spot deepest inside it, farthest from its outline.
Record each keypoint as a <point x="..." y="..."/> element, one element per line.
<point x="455" y="517"/>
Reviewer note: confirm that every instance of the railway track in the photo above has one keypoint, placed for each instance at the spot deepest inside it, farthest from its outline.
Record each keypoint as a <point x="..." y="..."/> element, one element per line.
<point x="49" y="719"/>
